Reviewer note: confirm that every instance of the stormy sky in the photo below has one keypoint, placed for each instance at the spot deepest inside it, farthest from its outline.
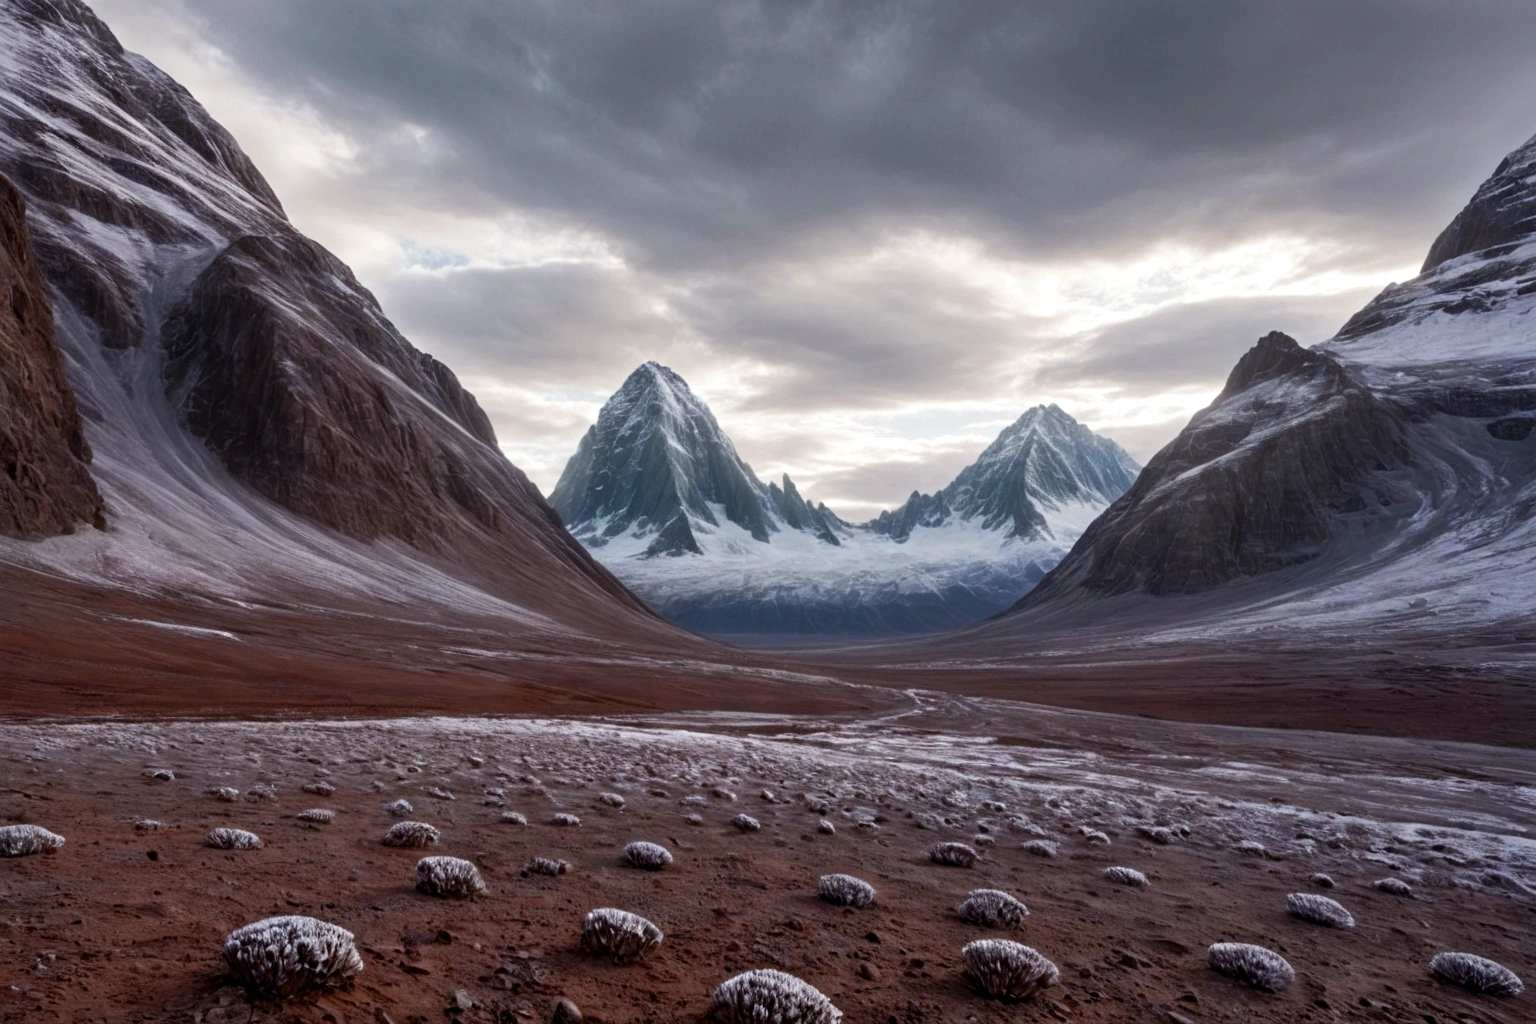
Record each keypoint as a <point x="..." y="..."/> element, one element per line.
<point x="869" y="234"/>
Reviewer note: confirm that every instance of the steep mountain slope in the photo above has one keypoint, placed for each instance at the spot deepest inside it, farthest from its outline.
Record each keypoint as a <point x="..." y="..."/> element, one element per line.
<point x="1386" y="476"/>
<point x="261" y="430"/>
<point x="658" y="493"/>
<point x="45" y="485"/>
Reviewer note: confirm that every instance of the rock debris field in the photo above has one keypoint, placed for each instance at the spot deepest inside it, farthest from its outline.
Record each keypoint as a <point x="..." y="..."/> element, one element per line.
<point x="127" y="919"/>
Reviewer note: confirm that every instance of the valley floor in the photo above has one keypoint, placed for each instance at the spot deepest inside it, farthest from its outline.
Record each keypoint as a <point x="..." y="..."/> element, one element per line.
<point x="125" y="925"/>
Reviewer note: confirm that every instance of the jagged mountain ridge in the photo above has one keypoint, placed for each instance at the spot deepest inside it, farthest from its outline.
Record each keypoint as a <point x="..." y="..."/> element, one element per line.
<point x="1386" y="475"/>
<point x="658" y="492"/>
<point x="255" y="416"/>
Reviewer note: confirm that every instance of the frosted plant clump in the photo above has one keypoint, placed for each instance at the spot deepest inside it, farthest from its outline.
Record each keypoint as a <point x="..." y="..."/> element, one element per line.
<point x="320" y="788"/>
<point x="439" y="793"/>
<point x="1008" y="970"/>
<point x="317" y="816"/>
<point x="227" y="794"/>
<point x="979" y="839"/>
<point x="25" y="840"/>
<point x="148" y="825"/>
<point x="514" y="818"/>
<point x="233" y="839"/>
<point x="548" y="866"/>
<point x="1253" y="965"/>
<point x="846" y="891"/>
<point x="1476" y="973"/>
<point x="746" y="823"/>
<point x="564" y="820"/>
<point x="160" y="774"/>
<point x="1126" y="876"/>
<point x="720" y="793"/>
<point x="955" y="855"/>
<point x="650" y="856"/>
<point x="694" y="819"/>
<point x="412" y="835"/>
<point x="1093" y="837"/>
<point x="619" y="933"/>
<point x="1251" y="848"/>
<point x="992" y="908"/>
<point x="448" y="876"/>
<point x="1040" y="847"/>
<point x="612" y="799"/>
<point x="399" y="808"/>
<point x="1395" y="887"/>
<point x="281" y="956"/>
<point x="260" y="794"/>
<point x="770" y="997"/>
<point x="694" y="800"/>
<point x="1322" y="881"/>
<point x="826" y="827"/>
<point x="1319" y="910"/>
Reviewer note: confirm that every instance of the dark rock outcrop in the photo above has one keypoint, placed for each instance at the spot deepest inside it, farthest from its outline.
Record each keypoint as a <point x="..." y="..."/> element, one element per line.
<point x="1262" y="478"/>
<point x="1501" y="212"/>
<point x="45" y="486"/>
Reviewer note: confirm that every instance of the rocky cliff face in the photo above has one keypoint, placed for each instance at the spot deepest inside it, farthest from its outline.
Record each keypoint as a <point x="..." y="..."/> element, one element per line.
<point x="1387" y="463"/>
<point x="45" y="487"/>
<point x="188" y="305"/>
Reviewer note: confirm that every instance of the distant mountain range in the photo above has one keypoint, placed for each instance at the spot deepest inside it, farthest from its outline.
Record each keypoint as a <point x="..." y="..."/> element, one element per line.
<point x="658" y="494"/>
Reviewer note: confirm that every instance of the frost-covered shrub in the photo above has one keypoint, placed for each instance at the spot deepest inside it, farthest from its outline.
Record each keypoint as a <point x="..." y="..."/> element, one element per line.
<point x="319" y="788"/>
<point x="770" y="997"/>
<point x="767" y="795"/>
<point x="281" y="956"/>
<point x="160" y="774"/>
<point x="564" y="820"/>
<point x="1093" y="837"/>
<point x="826" y="827"/>
<point x="1251" y="849"/>
<point x="1125" y="876"/>
<point x="1253" y="965"/>
<point x="448" y="876"/>
<point x="317" y="816"/>
<point x="955" y="855"/>
<point x="25" y="840"/>
<point x="1479" y="974"/>
<point x="650" y="856"/>
<point x="746" y="823"/>
<point x="846" y="891"/>
<point x="148" y="825"/>
<point x="412" y="835"/>
<point x="399" y="808"/>
<point x="1322" y="881"/>
<point x="226" y="794"/>
<point x="514" y="818"/>
<point x="619" y="933"/>
<point x="979" y="839"/>
<point x="694" y="819"/>
<point x="261" y="793"/>
<point x="817" y="805"/>
<point x="721" y="793"/>
<point x="439" y="793"/>
<point x="1319" y="910"/>
<point x="547" y="866"/>
<point x="1161" y="836"/>
<point x="1008" y="970"/>
<point x="612" y="799"/>
<point x="1395" y="887"/>
<point x="232" y="839"/>
<point x="992" y="908"/>
<point x="694" y="800"/>
<point x="1040" y="848"/>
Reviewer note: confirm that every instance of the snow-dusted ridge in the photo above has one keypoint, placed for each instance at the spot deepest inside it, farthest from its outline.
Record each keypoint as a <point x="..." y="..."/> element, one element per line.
<point x="658" y="493"/>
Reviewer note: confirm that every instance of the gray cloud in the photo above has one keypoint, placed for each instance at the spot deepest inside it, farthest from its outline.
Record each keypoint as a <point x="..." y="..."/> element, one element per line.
<point x="739" y="156"/>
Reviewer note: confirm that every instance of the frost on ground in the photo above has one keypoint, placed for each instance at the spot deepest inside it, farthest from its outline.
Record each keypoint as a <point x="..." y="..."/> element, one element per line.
<point x="282" y="956"/>
<point x="845" y="890"/>
<point x="954" y="855"/>
<point x="25" y="840"/>
<point x="992" y="908"/>
<point x="1008" y="970"/>
<point x="618" y="933"/>
<point x="650" y="856"/>
<point x="411" y="835"/>
<point x="448" y="876"/>
<point x="770" y="997"/>
<point x="1476" y="973"/>
<point x="1125" y="876"/>
<point x="232" y="839"/>
<point x="1253" y="965"/>
<point x="1319" y="910"/>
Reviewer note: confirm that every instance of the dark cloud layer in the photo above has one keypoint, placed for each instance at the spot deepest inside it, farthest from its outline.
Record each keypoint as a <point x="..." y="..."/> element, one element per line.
<point x="744" y="163"/>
